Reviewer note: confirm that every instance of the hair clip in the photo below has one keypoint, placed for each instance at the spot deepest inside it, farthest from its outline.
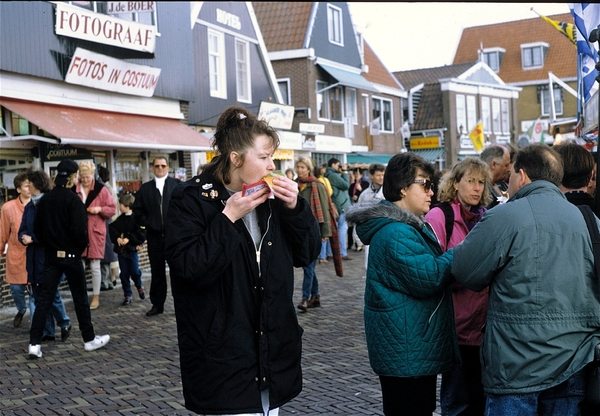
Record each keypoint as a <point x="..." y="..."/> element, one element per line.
<point x="241" y="116"/>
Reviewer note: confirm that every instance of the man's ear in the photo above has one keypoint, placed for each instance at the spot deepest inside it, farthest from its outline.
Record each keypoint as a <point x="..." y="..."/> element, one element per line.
<point x="523" y="178"/>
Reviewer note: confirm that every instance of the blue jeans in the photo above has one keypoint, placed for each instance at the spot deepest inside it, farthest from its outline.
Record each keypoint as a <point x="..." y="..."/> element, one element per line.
<point x="323" y="254"/>
<point x="343" y="234"/>
<point x="57" y="311"/>
<point x="310" y="284"/>
<point x="562" y="400"/>
<point x="128" y="263"/>
<point x="18" y="294"/>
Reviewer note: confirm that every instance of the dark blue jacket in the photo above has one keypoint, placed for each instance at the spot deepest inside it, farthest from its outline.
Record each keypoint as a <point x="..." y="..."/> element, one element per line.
<point x="35" y="251"/>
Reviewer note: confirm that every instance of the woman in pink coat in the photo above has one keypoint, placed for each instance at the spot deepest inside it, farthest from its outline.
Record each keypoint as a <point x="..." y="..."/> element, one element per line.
<point x="100" y="206"/>
<point x="463" y="195"/>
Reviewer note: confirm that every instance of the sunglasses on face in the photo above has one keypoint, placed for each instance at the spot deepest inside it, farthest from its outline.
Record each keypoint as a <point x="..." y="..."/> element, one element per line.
<point x="427" y="184"/>
<point x="160" y="166"/>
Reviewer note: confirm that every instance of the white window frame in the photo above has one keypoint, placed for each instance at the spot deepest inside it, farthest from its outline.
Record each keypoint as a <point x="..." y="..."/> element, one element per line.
<point x="335" y="25"/>
<point x="471" y="113"/>
<point x="340" y="101"/>
<point x="461" y="113"/>
<point x="217" y="75"/>
<point x="498" y="53"/>
<point x="558" y="102"/>
<point x="243" y="79"/>
<point x="366" y="114"/>
<point x="505" y="116"/>
<point x="486" y="115"/>
<point x="382" y="120"/>
<point x="323" y="100"/>
<point x="288" y="89"/>
<point x="496" y="124"/>
<point x="529" y="48"/>
<point x="351" y="108"/>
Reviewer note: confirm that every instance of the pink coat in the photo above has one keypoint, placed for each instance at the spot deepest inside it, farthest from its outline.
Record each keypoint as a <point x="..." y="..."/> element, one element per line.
<point x="97" y="222"/>
<point x="10" y="221"/>
<point x="470" y="308"/>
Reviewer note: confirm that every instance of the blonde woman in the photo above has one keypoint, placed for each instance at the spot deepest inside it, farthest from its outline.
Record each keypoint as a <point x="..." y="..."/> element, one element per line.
<point x="100" y="206"/>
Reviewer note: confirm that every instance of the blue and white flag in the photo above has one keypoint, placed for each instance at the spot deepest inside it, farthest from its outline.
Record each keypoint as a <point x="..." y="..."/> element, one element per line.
<point x="586" y="17"/>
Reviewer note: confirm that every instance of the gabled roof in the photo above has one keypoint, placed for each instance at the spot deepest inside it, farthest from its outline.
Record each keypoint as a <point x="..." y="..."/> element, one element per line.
<point x="430" y="114"/>
<point x="378" y="73"/>
<point x="414" y="77"/>
<point x="561" y="59"/>
<point x="283" y="24"/>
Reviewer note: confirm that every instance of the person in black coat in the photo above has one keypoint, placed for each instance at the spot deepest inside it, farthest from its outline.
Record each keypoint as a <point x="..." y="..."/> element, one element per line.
<point x="60" y="224"/>
<point x="579" y="166"/>
<point x="232" y="253"/>
<point x="150" y="208"/>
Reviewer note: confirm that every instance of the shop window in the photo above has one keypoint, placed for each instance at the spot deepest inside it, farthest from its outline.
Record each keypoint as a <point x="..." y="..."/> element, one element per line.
<point x="351" y="105"/>
<point x="486" y="114"/>
<point x="322" y="101"/>
<point x="242" y="71"/>
<point x="336" y="103"/>
<point x="533" y="55"/>
<point x="382" y="109"/>
<point x="216" y="64"/>
<point x="505" y="117"/>
<point x="335" y="25"/>
<point x="461" y="112"/>
<point x="284" y="88"/>
<point x="471" y="113"/>
<point x="496" y="115"/>
<point x="20" y="126"/>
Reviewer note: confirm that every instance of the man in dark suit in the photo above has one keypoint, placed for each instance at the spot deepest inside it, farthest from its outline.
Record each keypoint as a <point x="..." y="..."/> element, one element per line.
<point x="150" y="208"/>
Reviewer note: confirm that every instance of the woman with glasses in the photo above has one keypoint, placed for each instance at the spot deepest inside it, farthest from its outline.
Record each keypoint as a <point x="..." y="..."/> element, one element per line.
<point x="409" y="321"/>
<point x="463" y="196"/>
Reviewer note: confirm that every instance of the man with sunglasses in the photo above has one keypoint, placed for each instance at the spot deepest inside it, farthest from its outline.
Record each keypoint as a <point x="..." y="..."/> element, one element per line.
<point x="150" y="208"/>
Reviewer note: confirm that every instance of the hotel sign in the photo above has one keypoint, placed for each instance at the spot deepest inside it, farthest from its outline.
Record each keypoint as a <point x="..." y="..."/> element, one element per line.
<point x="425" y="143"/>
<point x="79" y="23"/>
<point x="105" y="73"/>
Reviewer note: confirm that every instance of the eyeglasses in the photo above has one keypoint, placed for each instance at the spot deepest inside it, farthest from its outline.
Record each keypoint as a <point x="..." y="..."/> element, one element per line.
<point x="160" y="166"/>
<point x="427" y="185"/>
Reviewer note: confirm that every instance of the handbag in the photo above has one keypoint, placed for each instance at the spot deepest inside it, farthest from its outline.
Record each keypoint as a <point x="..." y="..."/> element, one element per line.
<point x="592" y="391"/>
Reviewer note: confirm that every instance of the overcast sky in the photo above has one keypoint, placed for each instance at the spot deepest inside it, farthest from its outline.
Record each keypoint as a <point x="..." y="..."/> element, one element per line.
<point x="425" y="35"/>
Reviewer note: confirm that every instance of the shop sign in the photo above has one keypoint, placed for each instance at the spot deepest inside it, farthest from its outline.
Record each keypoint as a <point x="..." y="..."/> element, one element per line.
<point x="79" y="23"/>
<point x="102" y="72"/>
<point x="283" y="154"/>
<point x="277" y="115"/>
<point x="118" y="7"/>
<point x="432" y="142"/>
<point x="53" y="152"/>
<point x="311" y="128"/>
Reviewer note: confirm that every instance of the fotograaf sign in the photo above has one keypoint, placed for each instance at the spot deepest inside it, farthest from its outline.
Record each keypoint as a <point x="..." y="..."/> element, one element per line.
<point x="79" y="23"/>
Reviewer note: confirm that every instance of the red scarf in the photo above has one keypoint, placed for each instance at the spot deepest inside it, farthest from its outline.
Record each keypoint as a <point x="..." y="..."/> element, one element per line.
<point x="314" y="201"/>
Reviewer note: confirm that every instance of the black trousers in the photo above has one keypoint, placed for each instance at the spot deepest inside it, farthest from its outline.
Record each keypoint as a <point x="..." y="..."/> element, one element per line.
<point x="54" y="268"/>
<point x="408" y="396"/>
<point x="158" y="283"/>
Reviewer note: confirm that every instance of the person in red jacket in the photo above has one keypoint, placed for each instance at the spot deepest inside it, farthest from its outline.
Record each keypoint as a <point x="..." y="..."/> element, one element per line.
<point x="100" y="206"/>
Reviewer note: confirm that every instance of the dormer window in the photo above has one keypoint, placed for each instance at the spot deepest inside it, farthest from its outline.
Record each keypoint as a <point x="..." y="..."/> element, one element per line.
<point x="533" y="54"/>
<point x="335" y="25"/>
<point x="493" y="57"/>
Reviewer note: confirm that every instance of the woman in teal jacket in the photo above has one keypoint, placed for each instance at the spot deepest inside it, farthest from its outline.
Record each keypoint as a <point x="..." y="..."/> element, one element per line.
<point x="409" y="320"/>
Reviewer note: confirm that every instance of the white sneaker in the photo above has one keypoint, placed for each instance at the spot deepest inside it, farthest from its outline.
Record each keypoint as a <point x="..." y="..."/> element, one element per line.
<point x="35" y="351"/>
<point x="98" y="342"/>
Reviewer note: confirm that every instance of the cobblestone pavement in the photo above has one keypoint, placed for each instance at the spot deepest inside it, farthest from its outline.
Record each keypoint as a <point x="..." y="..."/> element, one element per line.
<point x="138" y="372"/>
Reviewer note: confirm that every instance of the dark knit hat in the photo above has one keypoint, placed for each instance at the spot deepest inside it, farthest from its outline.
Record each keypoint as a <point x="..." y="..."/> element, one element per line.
<point x="66" y="168"/>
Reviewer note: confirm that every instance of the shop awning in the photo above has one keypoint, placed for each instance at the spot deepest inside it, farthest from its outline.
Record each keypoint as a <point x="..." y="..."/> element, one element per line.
<point x="103" y="129"/>
<point x="348" y="79"/>
<point x="430" y="155"/>
<point x="367" y="158"/>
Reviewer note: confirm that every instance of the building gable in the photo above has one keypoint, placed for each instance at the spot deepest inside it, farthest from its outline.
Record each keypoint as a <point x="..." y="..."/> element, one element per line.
<point x="283" y="24"/>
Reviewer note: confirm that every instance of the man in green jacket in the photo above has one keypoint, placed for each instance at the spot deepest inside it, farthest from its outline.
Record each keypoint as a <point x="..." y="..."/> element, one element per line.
<point x="535" y="254"/>
<point x="338" y="177"/>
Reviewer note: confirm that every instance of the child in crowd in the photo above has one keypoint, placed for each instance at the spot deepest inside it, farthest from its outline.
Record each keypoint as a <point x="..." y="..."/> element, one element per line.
<point x="126" y="236"/>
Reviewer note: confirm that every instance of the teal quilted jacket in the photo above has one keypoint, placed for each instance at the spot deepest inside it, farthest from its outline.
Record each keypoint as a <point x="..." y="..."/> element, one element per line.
<point x="409" y="320"/>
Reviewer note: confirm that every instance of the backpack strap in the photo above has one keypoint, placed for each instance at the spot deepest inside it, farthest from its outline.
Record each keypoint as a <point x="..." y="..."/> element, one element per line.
<point x="449" y="217"/>
<point x="590" y="221"/>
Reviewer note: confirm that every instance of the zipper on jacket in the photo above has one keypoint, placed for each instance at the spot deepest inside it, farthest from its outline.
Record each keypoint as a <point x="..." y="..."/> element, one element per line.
<point x="435" y="310"/>
<point x="262" y="239"/>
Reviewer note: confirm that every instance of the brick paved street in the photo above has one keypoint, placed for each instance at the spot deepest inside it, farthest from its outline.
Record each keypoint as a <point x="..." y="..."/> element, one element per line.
<point x="138" y="372"/>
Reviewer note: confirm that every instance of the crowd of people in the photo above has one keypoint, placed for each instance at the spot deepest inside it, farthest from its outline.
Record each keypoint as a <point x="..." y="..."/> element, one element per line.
<point x="483" y="274"/>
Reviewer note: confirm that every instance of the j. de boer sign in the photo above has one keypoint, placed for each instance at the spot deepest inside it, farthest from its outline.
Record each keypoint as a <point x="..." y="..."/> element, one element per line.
<point x="103" y="72"/>
<point x="79" y="23"/>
